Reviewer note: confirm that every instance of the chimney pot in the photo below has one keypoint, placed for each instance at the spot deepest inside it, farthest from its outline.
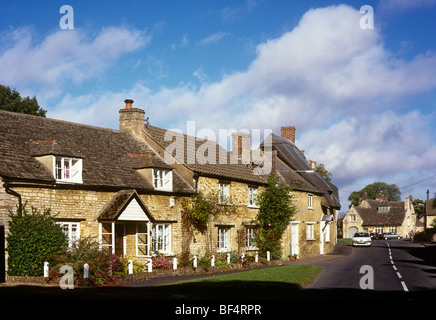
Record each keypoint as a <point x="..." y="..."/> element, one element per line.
<point x="128" y="103"/>
<point x="288" y="133"/>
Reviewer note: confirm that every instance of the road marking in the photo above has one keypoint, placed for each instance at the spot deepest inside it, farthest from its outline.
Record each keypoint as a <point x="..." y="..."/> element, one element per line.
<point x="395" y="268"/>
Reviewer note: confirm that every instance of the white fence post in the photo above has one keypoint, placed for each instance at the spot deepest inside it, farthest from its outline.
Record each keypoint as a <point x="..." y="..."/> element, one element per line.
<point x="228" y="258"/>
<point x="174" y="263"/>
<point x="149" y="266"/>
<point x="212" y="261"/>
<point x="46" y="269"/>
<point x="242" y="256"/>
<point x="268" y="256"/>
<point x="85" y="271"/>
<point x="130" y="266"/>
<point x="256" y="257"/>
<point x="194" y="264"/>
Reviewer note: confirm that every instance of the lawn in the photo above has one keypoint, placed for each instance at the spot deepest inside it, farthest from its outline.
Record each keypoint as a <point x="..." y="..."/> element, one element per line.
<point x="301" y="275"/>
<point x="269" y="283"/>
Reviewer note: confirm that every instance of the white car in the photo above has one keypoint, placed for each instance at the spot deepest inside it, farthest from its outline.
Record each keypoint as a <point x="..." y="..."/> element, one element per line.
<point x="361" y="239"/>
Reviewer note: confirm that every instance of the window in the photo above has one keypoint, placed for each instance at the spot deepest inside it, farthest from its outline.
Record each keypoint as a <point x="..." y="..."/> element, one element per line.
<point x="68" y="169"/>
<point x="163" y="179"/>
<point x="310" y="234"/>
<point x="392" y="229"/>
<point x="223" y="239"/>
<point x="384" y="209"/>
<point x="250" y="235"/>
<point x="352" y="217"/>
<point x="142" y="245"/>
<point x="252" y="197"/>
<point x="107" y="239"/>
<point x="378" y="229"/>
<point x="224" y="193"/>
<point x="71" y="230"/>
<point x="162" y="238"/>
<point x="309" y="201"/>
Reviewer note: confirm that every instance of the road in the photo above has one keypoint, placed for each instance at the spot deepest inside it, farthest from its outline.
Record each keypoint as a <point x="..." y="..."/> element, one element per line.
<point x="388" y="269"/>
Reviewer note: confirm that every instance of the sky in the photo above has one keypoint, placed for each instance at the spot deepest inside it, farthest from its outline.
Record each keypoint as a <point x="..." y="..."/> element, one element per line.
<point x="356" y="78"/>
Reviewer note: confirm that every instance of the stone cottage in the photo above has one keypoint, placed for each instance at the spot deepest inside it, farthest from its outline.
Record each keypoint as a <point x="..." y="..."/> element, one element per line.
<point x="379" y="216"/>
<point x="126" y="187"/>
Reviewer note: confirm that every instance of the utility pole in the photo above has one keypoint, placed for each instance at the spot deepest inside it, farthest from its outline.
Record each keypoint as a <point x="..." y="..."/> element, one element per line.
<point x="425" y="210"/>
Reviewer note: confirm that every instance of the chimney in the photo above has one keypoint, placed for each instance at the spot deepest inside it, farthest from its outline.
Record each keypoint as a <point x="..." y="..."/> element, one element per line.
<point x="288" y="133"/>
<point x="131" y="119"/>
<point x="241" y="146"/>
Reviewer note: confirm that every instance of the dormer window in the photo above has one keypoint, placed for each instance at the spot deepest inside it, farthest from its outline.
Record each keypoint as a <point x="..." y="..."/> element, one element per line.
<point x="68" y="169"/>
<point x="163" y="179"/>
<point x="384" y="209"/>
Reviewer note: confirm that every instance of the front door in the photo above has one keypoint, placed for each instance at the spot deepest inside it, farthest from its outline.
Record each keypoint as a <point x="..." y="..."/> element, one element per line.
<point x="119" y="239"/>
<point x="294" y="238"/>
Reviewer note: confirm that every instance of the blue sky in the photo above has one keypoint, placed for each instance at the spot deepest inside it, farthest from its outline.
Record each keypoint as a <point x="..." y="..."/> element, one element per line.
<point x="362" y="100"/>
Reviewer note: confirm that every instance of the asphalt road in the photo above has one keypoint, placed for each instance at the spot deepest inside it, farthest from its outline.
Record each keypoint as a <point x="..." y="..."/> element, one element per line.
<point x="394" y="269"/>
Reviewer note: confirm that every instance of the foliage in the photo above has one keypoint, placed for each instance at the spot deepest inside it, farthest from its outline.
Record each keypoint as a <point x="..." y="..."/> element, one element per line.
<point x="276" y="210"/>
<point x="10" y="100"/>
<point x="201" y="207"/>
<point x="323" y="172"/>
<point x="161" y="262"/>
<point x="419" y="207"/>
<point x="391" y="191"/>
<point x="33" y="236"/>
<point x="102" y="265"/>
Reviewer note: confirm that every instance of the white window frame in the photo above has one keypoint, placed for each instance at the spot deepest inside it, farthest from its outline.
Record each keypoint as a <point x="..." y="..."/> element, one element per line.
<point x="309" y="201"/>
<point x="111" y="234"/>
<point x="252" y="197"/>
<point x="310" y="230"/>
<point x="163" y="179"/>
<point x="223" y="244"/>
<point x="161" y="238"/>
<point x="224" y="193"/>
<point x="392" y="229"/>
<point x="67" y="169"/>
<point x="71" y="230"/>
<point x="378" y="229"/>
<point x="146" y="245"/>
<point x="250" y="234"/>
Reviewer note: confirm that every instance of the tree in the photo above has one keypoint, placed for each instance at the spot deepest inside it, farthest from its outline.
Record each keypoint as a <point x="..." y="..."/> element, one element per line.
<point x="33" y="238"/>
<point x="391" y="191"/>
<point x="10" y="100"/>
<point x="276" y="210"/>
<point x="419" y="207"/>
<point x="323" y="172"/>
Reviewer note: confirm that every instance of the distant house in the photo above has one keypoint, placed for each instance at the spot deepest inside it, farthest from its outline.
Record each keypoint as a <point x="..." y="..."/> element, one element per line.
<point x="430" y="212"/>
<point x="379" y="216"/>
<point x="126" y="189"/>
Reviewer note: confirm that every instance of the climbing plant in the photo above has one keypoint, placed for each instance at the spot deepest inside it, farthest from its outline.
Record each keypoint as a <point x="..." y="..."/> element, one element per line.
<point x="276" y="210"/>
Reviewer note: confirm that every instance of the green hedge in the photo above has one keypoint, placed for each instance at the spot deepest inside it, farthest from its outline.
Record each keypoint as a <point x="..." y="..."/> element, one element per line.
<point x="33" y="238"/>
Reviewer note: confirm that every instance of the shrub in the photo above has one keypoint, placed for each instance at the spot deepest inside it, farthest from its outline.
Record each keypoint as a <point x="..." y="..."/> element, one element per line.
<point x="33" y="236"/>
<point x="276" y="210"/>
<point x="161" y="262"/>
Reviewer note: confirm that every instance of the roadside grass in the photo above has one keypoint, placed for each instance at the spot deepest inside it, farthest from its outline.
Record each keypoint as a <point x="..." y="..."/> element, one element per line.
<point x="301" y="275"/>
<point x="269" y="283"/>
<point x="345" y="240"/>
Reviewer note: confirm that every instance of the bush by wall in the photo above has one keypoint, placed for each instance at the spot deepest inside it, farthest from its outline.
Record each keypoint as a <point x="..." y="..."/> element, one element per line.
<point x="33" y="235"/>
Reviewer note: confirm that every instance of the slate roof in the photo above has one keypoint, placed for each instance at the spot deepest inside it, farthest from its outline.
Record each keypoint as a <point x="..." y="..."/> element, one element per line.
<point x="371" y="216"/>
<point x="228" y="167"/>
<point x="110" y="157"/>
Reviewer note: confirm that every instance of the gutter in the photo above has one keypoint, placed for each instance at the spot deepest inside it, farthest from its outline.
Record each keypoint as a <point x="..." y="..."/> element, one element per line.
<point x="15" y="194"/>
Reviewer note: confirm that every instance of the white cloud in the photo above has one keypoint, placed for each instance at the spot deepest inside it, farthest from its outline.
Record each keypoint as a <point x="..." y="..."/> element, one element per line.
<point x="335" y="82"/>
<point x="213" y="38"/>
<point x="63" y="56"/>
